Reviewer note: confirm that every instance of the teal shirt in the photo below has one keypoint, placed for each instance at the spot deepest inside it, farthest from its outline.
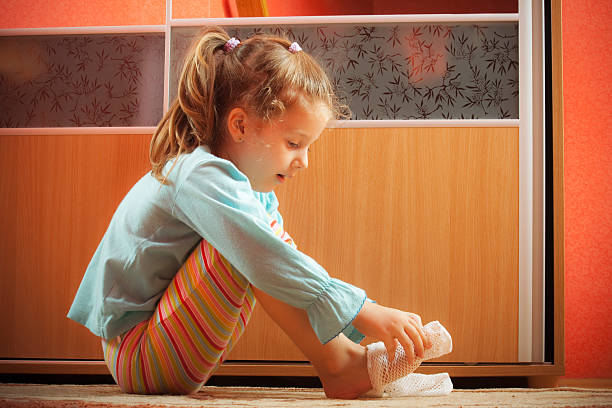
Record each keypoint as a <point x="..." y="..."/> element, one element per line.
<point x="156" y="227"/>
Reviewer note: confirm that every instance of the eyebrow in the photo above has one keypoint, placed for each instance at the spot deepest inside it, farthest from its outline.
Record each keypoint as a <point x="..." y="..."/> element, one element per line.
<point x="301" y="133"/>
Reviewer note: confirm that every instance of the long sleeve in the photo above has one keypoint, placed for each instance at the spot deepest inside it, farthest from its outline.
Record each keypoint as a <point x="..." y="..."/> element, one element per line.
<point x="271" y="205"/>
<point x="216" y="201"/>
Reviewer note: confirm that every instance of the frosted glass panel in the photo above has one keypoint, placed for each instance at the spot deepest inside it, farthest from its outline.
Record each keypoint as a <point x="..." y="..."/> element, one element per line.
<point x="328" y="8"/>
<point x="82" y="80"/>
<point x="404" y="71"/>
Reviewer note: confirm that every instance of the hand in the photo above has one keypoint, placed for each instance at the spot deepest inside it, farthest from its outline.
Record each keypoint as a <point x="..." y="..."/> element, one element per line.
<point x="390" y="325"/>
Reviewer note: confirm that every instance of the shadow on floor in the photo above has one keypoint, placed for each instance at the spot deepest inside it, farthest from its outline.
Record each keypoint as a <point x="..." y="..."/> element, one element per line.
<point x="254" y="381"/>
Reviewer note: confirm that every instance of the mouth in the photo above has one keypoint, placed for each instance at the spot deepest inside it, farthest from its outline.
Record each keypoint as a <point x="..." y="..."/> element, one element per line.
<point x="283" y="177"/>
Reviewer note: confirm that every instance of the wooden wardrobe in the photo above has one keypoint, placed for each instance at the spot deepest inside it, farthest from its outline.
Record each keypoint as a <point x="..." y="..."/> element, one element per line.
<point x="424" y="218"/>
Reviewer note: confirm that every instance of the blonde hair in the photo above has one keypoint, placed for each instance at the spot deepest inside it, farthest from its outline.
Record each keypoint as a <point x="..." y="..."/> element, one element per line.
<point x="260" y="75"/>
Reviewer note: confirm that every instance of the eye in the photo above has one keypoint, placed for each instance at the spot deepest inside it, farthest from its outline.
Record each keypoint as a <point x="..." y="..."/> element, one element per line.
<point x="293" y="145"/>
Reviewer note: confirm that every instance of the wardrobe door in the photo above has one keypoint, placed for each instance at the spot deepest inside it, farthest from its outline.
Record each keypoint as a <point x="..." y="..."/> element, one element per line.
<point x="57" y="196"/>
<point x="424" y="219"/>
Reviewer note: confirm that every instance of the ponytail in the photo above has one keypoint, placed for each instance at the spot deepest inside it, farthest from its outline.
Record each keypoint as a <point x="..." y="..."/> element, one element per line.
<point x="190" y="120"/>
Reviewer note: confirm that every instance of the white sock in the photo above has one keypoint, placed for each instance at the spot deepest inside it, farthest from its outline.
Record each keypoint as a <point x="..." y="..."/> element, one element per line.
<point x="420" y="385"/>
<point x="384" y="372"/>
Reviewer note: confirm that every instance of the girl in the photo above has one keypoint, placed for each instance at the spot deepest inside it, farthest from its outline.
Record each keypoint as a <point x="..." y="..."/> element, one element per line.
<point x="173" y="282"/>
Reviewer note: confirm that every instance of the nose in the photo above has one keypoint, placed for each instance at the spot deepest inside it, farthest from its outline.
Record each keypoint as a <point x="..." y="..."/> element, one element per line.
<point x="301" y="161"/>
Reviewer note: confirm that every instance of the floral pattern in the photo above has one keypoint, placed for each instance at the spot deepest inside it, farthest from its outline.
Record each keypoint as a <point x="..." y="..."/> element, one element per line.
<point x="382" y="71"/>
<point x="404" y="71"/>
<point x="83" y="80"/>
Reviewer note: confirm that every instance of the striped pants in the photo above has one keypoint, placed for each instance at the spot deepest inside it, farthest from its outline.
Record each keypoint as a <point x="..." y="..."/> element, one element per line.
<point x="197" y="321"/>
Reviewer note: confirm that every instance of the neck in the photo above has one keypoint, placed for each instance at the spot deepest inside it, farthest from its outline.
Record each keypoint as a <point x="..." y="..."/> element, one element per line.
<point x="221" y="151"/>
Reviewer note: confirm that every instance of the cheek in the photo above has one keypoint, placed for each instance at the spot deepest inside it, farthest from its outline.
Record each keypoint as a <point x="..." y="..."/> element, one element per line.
<point x="263" y="152"/>
<point x="269" y="148"/>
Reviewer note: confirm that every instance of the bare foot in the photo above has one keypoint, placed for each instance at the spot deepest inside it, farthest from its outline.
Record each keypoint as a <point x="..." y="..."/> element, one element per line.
<point x="347" y="377"/>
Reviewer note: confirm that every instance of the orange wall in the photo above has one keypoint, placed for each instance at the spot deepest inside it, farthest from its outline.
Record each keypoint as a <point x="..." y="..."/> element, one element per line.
<point x="336" y="7"/>
<point x="74" y="13"/>
<point x="77" y="13"/>
<point x="587" y="89"/>
<point x="587" y="33"/>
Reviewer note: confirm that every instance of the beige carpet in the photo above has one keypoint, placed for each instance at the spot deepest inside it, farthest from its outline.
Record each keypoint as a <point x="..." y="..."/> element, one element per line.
<point x="100" y="396"/>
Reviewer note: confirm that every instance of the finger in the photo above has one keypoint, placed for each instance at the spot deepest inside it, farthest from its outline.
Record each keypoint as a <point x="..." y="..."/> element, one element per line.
<point x="391" y="346"/>
<point x="417" y="335"/>
<point x="417" y="318"/>
<point x="425" y="338"/>
<point x="419" y="326"/>
<point x="408" y="348"/>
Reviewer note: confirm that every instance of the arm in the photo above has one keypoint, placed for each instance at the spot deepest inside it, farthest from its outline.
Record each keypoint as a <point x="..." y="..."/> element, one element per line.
<point x="216" y="201"/>
<point x="271" y="205"/>
<point x="383" y="323"/>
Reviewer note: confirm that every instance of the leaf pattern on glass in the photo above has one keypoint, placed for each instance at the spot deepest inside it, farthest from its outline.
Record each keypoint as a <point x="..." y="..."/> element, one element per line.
<point x="403" y="70"/>
<point x="83" y="80"/>
<point x="383" y="71"/>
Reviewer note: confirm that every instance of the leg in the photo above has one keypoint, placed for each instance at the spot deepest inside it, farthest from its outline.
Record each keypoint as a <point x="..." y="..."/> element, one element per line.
<point x="196" y="322"/>
<point x="348" y="370"/>
<point x="340" y="364"/>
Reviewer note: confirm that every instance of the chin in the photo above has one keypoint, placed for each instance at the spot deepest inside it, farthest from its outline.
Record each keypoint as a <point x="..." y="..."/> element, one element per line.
<point x="261" y="189"/>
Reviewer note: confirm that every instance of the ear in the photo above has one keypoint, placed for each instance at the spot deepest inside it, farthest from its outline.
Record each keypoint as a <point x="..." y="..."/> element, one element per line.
<point x="236" y="122"/>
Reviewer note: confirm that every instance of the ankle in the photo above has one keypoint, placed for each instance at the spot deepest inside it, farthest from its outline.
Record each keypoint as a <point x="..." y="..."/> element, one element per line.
<point x="332" y="364"/>
<point x="346" y="376"/>
<point x="348" y="358"/>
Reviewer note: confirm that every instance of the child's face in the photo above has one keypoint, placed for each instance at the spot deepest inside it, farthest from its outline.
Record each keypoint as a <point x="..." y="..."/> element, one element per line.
<point x="269" y="153"/>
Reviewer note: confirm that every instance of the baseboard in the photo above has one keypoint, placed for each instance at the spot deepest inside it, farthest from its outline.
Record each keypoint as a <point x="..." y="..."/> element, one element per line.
<point x="585" y="382"/>
<point x="265" y="368"/>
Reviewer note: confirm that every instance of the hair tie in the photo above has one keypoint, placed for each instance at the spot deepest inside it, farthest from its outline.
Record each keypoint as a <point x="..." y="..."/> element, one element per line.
<point x="294" y="47"/>
<point x="231" y="44"/>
